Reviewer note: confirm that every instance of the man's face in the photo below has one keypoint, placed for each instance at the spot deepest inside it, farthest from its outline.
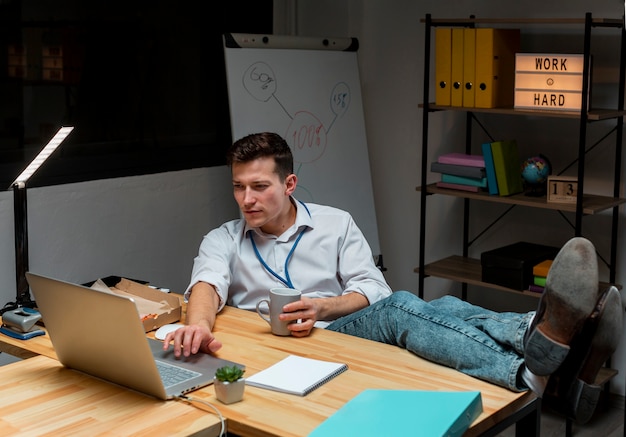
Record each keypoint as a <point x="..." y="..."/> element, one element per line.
<point x="262" y="197"/>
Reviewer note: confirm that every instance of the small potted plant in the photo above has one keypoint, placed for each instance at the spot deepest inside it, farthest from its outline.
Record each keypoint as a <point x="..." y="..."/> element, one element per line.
<point x="229" y="384"/>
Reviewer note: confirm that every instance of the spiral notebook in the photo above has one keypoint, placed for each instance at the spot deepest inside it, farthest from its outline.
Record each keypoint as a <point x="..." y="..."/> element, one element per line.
<point x="296" y="375"/>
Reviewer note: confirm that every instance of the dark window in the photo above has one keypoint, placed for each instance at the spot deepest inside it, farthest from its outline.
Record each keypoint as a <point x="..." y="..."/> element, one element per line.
<point x="143" y="82"/>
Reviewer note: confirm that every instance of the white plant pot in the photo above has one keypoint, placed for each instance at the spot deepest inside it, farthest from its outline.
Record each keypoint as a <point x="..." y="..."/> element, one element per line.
<point x="229" y="392"/>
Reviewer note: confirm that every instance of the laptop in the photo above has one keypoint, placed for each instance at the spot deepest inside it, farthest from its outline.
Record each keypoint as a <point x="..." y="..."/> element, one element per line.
<point x="101" y="334"/>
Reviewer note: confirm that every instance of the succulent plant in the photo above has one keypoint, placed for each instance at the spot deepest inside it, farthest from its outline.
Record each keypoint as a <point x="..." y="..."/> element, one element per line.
<point x="229" y="373"/>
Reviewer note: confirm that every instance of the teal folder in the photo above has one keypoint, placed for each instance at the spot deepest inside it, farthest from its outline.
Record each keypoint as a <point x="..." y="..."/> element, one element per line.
<point x="403" y="412"/>
<point x="490" y="169"/>
<point x="453" y="179"/>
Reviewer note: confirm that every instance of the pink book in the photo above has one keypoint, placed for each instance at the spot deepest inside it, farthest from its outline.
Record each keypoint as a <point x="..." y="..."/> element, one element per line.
<point x="462" y="159"/>
<point x="458" y="186"/>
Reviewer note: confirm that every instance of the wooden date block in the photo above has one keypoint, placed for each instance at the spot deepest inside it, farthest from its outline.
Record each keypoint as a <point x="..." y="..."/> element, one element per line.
<point x="562" y="189"/>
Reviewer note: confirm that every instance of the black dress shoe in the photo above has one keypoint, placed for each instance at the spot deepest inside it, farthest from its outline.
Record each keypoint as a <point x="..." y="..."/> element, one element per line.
<point x="569" y="297"/>
<point x="572" y="390"/>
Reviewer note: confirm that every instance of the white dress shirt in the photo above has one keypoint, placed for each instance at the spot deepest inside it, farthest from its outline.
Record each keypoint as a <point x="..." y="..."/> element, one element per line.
<point x="330" y="259"/>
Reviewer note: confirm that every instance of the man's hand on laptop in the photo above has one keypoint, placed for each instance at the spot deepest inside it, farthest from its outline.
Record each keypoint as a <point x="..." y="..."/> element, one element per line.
<point x="192" y="339"/>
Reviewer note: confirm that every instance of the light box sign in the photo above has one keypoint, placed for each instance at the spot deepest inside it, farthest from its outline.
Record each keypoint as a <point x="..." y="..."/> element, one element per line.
<point x="548" y="81"/>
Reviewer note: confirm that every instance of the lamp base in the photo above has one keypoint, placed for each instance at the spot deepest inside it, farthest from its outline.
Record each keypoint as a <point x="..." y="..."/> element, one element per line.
<point x="21" y="323"/>
<point x="7" y="330"/>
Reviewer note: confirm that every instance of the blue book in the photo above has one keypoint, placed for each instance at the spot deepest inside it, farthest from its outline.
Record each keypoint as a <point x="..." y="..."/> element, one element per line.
<point x="490" y="169"/>
<point x="403" y="412"/>
<point x="462" y="180"/>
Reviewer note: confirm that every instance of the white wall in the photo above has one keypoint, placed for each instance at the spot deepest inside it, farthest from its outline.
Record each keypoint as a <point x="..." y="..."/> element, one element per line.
<point x="144" y="227"/>
<point x="150" y="226"/>
<point x="391" y="40"/>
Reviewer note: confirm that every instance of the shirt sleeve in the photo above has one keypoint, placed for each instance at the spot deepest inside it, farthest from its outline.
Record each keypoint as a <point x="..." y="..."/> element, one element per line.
<point x="357" y="269"/>
<point x="211" y="265"/>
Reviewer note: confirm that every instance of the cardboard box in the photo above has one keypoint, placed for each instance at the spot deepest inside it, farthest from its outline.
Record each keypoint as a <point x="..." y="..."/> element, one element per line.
<point x="156" y="308"/>
<point x="512" y="266"/>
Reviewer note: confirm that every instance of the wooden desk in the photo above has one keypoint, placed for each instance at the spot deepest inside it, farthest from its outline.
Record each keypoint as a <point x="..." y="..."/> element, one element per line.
<point x="247" y="340"/>
<point x="39" y="396"/>
<point x="27" y="348"/>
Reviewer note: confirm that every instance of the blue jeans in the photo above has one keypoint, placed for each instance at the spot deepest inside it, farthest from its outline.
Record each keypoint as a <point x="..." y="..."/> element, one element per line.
<point x="449" y="331"/>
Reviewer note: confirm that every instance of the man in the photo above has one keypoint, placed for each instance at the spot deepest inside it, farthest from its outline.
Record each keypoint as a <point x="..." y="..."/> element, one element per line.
<point x="320" y="251"/>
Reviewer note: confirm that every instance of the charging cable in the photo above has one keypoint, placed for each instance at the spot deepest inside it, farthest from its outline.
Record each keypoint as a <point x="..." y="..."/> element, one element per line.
<point x="191" y="401"/>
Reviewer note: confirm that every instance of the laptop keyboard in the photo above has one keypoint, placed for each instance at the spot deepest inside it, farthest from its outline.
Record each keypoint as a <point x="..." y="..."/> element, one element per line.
<point x="172" y="375"/>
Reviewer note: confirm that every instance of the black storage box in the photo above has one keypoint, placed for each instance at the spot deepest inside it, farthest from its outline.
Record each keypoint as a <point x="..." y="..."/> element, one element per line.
<point x="512" y="266"/>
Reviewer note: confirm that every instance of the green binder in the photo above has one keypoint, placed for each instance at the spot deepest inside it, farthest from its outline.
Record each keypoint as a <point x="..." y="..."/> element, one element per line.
<point x="508" y="167"/>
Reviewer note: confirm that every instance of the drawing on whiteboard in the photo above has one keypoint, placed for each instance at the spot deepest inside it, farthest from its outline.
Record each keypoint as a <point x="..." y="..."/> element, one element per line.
<point x="305" y="134"/>
<point x="309" y="93"/>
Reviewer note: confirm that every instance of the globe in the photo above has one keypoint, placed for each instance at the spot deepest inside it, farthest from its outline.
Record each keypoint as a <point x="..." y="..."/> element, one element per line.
<point x="535" y="172"/>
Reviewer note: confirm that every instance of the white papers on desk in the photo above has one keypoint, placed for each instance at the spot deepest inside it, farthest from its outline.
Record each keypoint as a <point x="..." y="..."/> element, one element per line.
<point x="296" y="375"/>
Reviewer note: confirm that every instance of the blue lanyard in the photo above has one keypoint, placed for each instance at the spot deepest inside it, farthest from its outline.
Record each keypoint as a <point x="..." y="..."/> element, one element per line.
<point x="287" y="280"/>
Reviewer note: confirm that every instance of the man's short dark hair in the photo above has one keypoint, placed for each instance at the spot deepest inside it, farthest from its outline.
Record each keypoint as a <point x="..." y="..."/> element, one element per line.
<point x="259" y="145"/>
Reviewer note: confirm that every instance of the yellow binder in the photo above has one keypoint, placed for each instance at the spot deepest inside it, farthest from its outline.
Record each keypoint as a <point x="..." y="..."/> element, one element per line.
<point x="456" y="93"/>
<point x="495" y="67"/>
<point x="469" y="66"/>
<point x="443" y="53"/>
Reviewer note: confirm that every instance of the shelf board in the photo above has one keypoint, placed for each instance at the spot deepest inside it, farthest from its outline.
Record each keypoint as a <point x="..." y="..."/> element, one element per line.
<point x="598" y="22"/>
<point x="592" y="204"/>
<point x="592" y="115"/>
<point x="469" y="271"/>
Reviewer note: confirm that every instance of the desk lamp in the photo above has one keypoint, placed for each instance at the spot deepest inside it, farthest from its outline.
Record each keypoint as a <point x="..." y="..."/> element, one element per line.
<point x="22" y="298"/>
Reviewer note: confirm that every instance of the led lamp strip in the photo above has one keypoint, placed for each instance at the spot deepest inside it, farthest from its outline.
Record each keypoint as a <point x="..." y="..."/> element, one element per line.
<point x="42" y="156"/>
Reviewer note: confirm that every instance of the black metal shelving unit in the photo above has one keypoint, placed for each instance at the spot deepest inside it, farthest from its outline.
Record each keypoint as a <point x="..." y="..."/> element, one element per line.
<point x="466" y="270"/>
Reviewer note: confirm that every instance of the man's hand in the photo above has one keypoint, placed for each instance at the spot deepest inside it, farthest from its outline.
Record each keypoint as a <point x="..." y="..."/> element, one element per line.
<point x="307" y="311"/>
<point x="192" y="339"/>
<point x="196" y="336"/>
<point x="304" y="314"/>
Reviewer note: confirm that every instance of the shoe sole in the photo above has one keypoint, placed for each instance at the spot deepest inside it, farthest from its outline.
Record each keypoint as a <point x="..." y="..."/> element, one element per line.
<point x="569" y="298"/>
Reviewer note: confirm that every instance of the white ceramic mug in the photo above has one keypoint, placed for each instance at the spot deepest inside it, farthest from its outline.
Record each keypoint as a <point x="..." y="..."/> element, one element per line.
<point x="279" y="297"/>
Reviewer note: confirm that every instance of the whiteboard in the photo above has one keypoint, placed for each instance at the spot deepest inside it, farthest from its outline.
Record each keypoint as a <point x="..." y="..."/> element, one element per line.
<point x="307" y="90"/>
